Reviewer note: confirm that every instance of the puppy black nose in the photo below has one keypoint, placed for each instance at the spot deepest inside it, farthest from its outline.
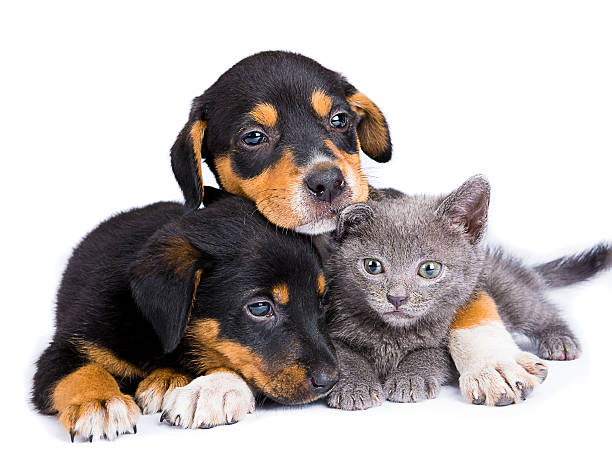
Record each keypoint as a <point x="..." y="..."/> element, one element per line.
<point x="326" y="184"/>
<point x="397" y="301"/>
<point x="324" y="378"/>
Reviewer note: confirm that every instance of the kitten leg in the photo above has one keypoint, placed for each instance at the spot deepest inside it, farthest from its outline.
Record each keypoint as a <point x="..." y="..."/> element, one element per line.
<point x="492" y="368"/>
<point x="419" y="376"/>
<point x="358" y="387"/>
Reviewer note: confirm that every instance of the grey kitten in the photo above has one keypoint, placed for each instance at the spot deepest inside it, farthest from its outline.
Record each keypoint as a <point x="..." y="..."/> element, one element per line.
<point x="400" y="268"/>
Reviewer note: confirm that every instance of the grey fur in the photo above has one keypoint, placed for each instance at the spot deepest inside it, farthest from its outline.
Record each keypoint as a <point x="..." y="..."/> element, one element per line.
<point x="405" y="358"/>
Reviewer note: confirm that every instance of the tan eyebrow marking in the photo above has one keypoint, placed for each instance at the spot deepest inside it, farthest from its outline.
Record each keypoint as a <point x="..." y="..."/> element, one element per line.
<point x="321" y="283"/>
<point x="265" y="114"/>
<point x="321" y="102"/>
<point x="281" y="293"/>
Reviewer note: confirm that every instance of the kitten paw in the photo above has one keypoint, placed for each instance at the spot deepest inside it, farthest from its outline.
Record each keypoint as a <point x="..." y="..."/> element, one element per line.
<point x="216" y="399"/>
<point x="95" y="419"/>
<point x="152" y="391"/>
<point x="505" y="382"/>
<point x="355" y="396"/>
<point x="411" y="388"/>
<point x="558" y="347"/>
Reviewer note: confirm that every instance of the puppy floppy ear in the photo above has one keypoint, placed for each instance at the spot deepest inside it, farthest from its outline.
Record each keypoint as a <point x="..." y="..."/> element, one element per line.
<point x="163" y="279"/>
<point x="372" y="129"/>
<point x="186" y="155"/>
<point x="467" y="207"/>
<point x="352" y="216"/>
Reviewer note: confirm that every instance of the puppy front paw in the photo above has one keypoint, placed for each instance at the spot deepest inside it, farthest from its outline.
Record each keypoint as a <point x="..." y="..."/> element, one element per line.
<point x="347" y="395"/>
<point x="504" y="382"/>
<point x="96" y="418"/>
<point x="219" y="398"/>
<point x="411" y="388"/>
<point x="155" y="387"/>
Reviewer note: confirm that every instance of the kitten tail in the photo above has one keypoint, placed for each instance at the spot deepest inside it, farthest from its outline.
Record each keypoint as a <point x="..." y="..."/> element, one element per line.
<point x="575" y="268"/>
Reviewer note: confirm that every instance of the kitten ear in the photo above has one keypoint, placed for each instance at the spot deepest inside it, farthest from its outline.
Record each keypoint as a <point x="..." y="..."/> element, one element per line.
<point x="467" y="207"/>
<point x="352" y="216"/>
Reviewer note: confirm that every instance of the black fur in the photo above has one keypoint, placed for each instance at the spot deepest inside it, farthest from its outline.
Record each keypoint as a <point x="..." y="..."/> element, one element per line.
<point x="286" y="81"/>
<point x="129" y="289"/>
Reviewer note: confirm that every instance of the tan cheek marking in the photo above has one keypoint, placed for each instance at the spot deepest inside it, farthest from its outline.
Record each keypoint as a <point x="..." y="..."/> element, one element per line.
<point x="197" y="136"/>
<point x="372" y="129"/>
<point x="107" y="360"/>
<point x="281" y="293"/>
<point x="479" y="312"/>
<point x="321" y="283"/>
<point x="321" y="102"/>
<point x="212" y="353"/>
<point x="290" y="383"/>
<point x="274" y="191"/>
<point x="265" y="114"/>
<point x="350" y="166"/>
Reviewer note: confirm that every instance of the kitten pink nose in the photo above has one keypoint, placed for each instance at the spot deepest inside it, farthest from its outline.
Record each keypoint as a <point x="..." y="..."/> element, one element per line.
<point x="397" y="301"/>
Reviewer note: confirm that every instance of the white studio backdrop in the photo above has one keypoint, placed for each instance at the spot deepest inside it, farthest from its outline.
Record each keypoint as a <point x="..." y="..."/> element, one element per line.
<point x="93" y="95"/>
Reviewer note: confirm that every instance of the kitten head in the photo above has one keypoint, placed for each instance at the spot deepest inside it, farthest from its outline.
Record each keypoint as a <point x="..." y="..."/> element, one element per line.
<point x="410" y="258"/>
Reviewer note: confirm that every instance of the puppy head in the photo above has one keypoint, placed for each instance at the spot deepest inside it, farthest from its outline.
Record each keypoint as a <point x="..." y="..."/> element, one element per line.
<point x="233" y="292"/>
<point x="284" y="132"/>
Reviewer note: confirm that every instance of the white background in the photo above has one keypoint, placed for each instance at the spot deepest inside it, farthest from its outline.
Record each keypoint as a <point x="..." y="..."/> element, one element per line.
<point x="93" y="95"/>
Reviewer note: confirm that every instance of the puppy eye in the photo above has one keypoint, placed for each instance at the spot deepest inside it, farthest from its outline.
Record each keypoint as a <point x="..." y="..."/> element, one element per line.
<point x="339" y="120"/>
<point x="430" y="269"/>
<point x="254" y="138"/>
<point x="260" y="309"/>
<point x="373" y="266"/>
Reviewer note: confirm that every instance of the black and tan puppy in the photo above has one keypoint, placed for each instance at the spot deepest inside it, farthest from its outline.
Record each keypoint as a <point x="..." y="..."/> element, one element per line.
<point x="285" y="132"/>
<point x="183" y="309"/>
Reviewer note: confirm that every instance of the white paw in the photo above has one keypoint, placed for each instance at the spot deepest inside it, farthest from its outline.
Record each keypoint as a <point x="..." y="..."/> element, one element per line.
<point x="217" y="399"/>
<point x="492" y="368"/>
<point x="96" y="419"/>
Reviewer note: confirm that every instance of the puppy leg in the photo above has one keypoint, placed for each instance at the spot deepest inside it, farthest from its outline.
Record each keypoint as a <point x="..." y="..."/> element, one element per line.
<point x="358" y="388"/>
<point x="492" y="368"/>
<point x="91" y="405"/>
<point x="221" y="397"/>
<point x="419" y="376"/>
<point x="156" y="386"/>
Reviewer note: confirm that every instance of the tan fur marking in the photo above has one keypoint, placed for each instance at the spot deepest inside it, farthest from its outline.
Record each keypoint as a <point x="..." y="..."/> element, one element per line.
<point x="372" y="130"/>
<point x="265" y="114"/>
<point x="350" y="166"/>
<point x="274" y="191"/>
<point x="479" y="312"/>
<point x="180" y="255"/>
<point x="281" y="293"/>
<point x="161" y="381"/>
<point x="220" y="369"/>
<point x="213" y="353"/>
<point x="321" y="102"/>
<point x="197" y="136"/>
<point x="107" y="360"/>
<point x="321" y="283"/>
<point x="90" y="382"/>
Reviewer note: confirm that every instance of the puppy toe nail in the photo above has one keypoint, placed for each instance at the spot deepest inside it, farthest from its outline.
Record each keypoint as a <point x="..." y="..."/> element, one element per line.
<point x="135" y="429"/>
<point x="504" y="400"/>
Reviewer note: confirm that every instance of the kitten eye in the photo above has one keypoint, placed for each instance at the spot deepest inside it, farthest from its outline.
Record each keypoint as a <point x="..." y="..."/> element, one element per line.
<point x="373" y="266"/>
<point x="430" y="269"/>
<point x="254" y="138"/>
<point x="339" y="120"/>
<point x="260" y="310"/>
